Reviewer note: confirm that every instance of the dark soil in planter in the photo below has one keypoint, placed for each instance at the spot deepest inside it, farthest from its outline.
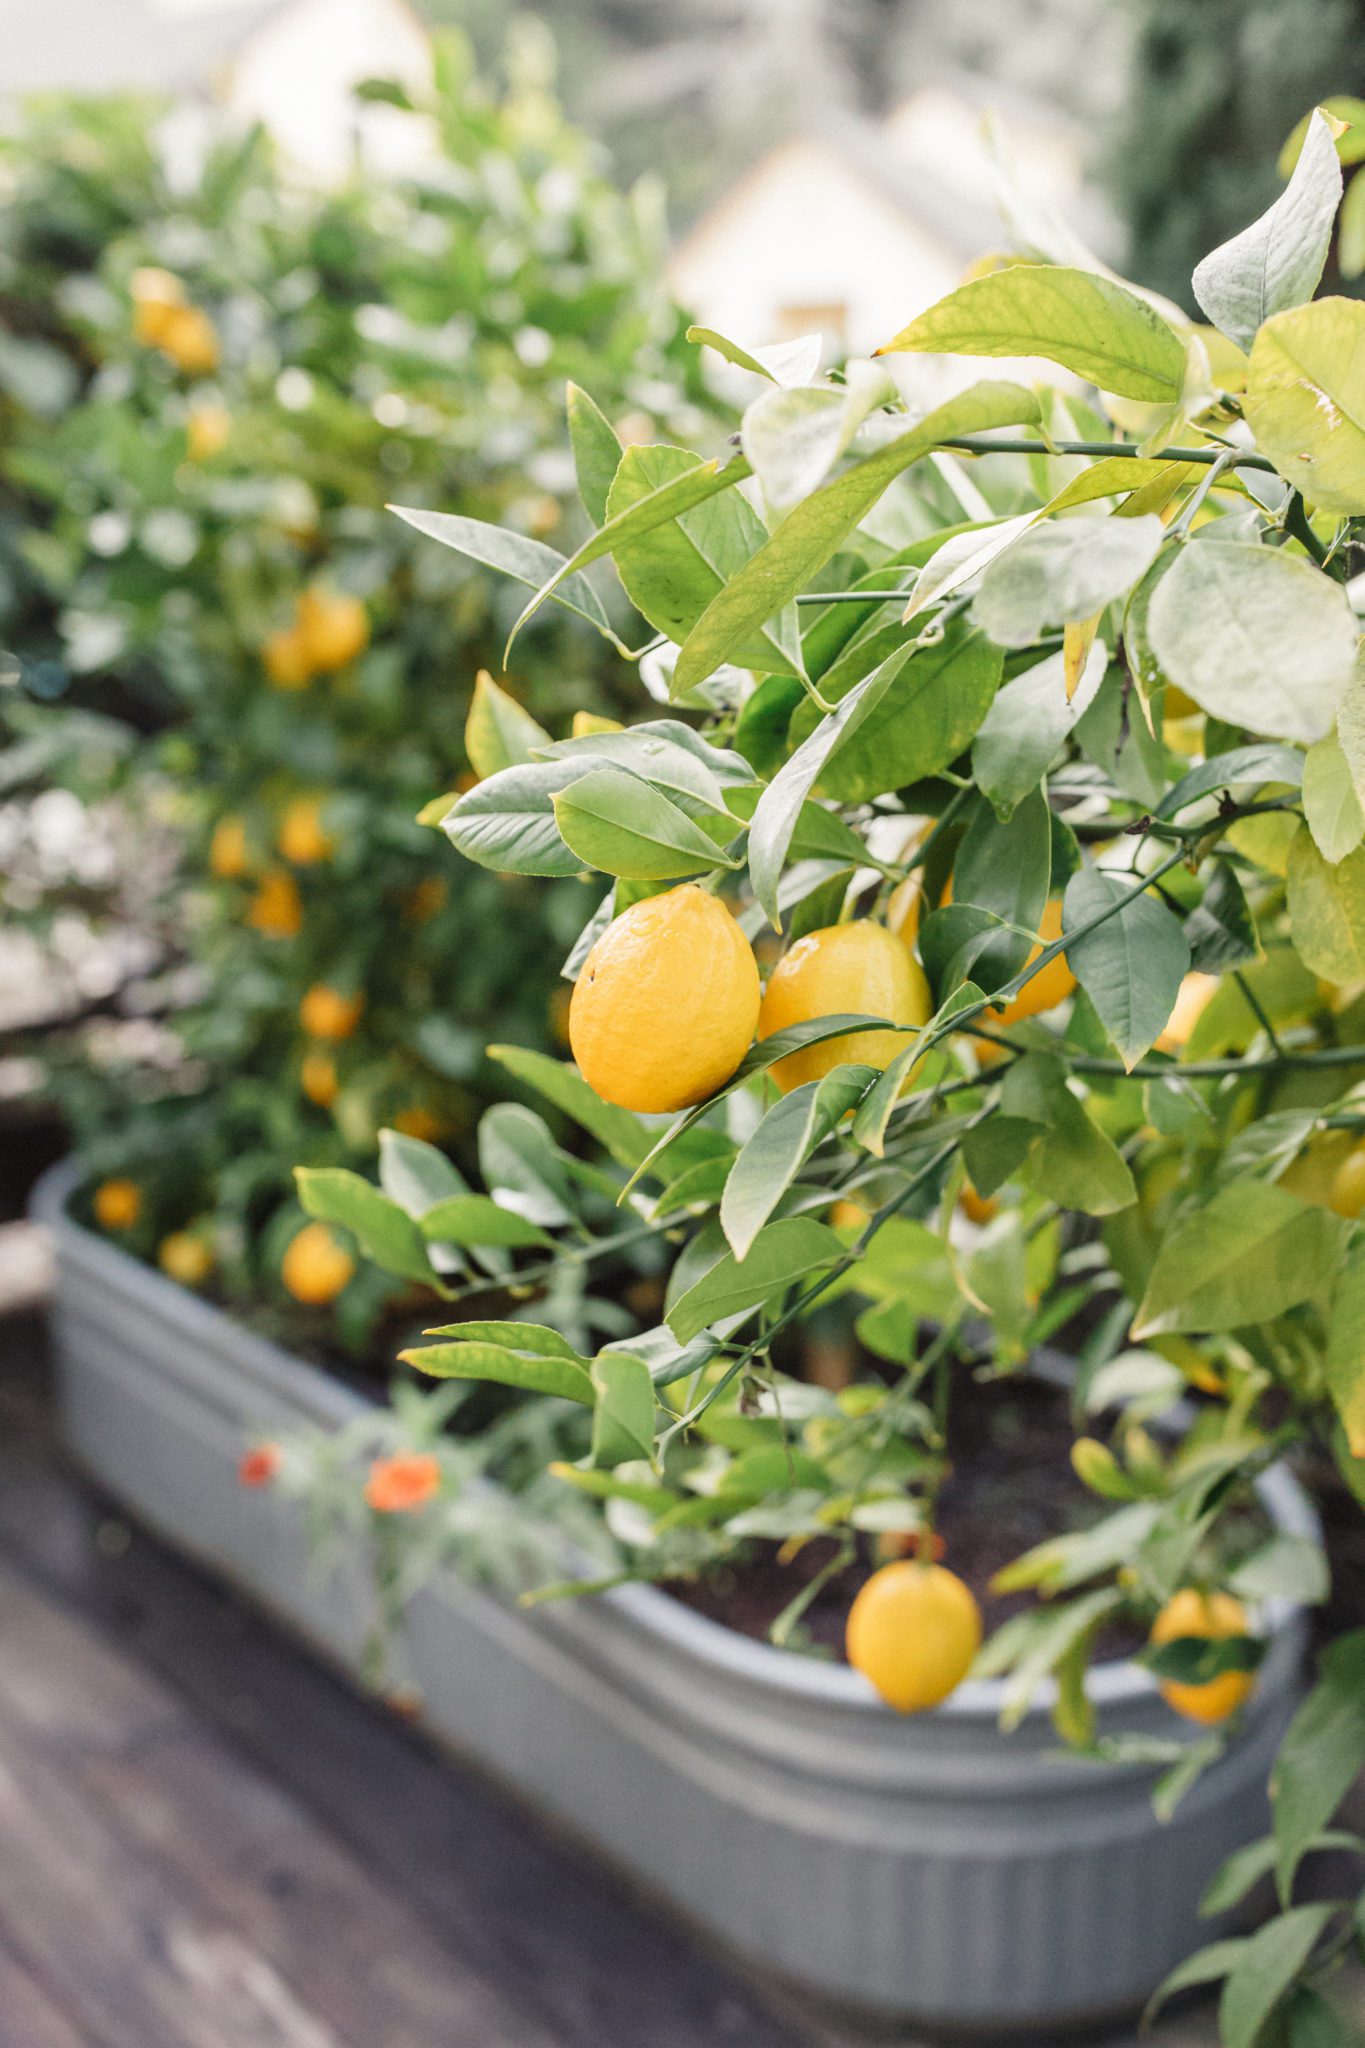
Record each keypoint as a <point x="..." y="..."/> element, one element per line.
<point x="1011" y="1486"/>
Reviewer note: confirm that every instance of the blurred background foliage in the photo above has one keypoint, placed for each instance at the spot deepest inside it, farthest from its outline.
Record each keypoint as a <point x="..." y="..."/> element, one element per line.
<point x="232" y="670"/>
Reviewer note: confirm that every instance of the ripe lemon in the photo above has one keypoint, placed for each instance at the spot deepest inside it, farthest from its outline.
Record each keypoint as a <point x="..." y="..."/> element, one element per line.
<point x="207" y="432"/>
<point x="318" y="1078"/>
<point x="913" y="1632"/>
<point x="1348" y="1184"/>
<point x="1050" y="986"/>
<point x="287" y="663"/>
<point x="1190" y="1003"/>
<point x="157" y="296"/>
<point x="417" y="1121"/>
<point x="316" y="1265"/>
<point x="228" y="857"/>
<point x="117" y="1204"/>
<point x="187" y="336"/>
<point x="1214" y="1616"/>
<point x="302" y="838"/>
<point x="184" y="1256"/>
<point x="977" y="1208"/>
<point x="326" y="1013"/>
<point x="854" y="967"/>
<point x="665" y="1008"/>
<point x="333" y="628"/>
<point x="277" y="908"/>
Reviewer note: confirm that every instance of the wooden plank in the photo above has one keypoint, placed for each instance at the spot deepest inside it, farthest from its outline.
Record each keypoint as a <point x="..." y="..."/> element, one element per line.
<point x="597" y="1966"/>
<point x="208" y="1910"/>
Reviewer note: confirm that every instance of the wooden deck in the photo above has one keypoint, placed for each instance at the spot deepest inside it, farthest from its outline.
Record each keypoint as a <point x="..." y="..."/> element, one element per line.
<point x="207" y="1840"/>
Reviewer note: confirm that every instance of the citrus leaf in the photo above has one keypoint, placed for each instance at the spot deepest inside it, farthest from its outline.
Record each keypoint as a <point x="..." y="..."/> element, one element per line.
<point x="1320" y="1755"/>
<point x="1087" y="323"/>
<point x="1327" y="910"/>
<point x="780" y="1145"/>
<point x="1251" y="1252"/>
<point x="782" y="362"/>
<point x="937" y="699"/>
<point x="476" y="1219"/>
<point x="1345" y="1361"/>
<point x="1132" y="965"/>
<point x="616" y="822"/>
<point x="384" y="1232"/>
<point x="1265" y="1970"/>
<point x="623" y="1414"/>
<point x="1063" y="572"/>
<point x="1027" y="725"/>
<point x="619" y="1130"/>
<point x="1278" y="261"/>
<point x="1305" y="400"/>
<point x="1255" y="636"/>
<point x="596" y="451"/>
<point x="1331" y="807"/>
<point x="783" y="1254"/>
<point x="515" y="555"/>
<point x="507" y="822"/>
<point x="414" y="1174"/>
<point x="498" y="733"/>
<point x="534" y="1372"/>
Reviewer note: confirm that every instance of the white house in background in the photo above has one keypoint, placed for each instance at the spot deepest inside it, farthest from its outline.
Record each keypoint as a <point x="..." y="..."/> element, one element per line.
<point x="290" y="63"/>
<point x="854" y="227"/>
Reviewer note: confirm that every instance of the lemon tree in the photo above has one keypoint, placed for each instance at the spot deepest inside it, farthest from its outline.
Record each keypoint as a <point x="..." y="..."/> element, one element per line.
<point x="1017" y="727"/>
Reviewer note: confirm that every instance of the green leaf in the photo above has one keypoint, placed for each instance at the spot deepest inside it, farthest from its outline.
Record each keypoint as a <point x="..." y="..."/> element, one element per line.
<point x="1312" y="2021"/>
<point x="1285" y="1568"/>
<point x="793" y="438"/>
<point x="1087" y="323"/>
<point x="514" y="555"/>
<point x="879" y="1103"/>
<point x="1351" y="230"/>
<point x="522" y="1164"/>
<point x="508" y="821"/>
<point x="619" y="1130"/>
<point x="498" y="733"/>
<point x="1263" y="762"/>
<point x="1321" y="1755"/>
<point x="1265" y="1969"/>
<point x="477" y="1219"/>
<point x="1351" y="719"/>
<point x="1056" y="1630"/>
<point x="673" y="572"/>
<point x="782" y="362"/>
<point x="1073" y="1162"/>
<point x="514" y="1335"/>
<point x="1256" y="637"/>
<point x="818" y="527"/>
<point x="936" y="701"/>
<point x="1205" y="1966"/>
<point x="614" y="821"/>
<point x="534" y="1371"/>
<point x="596" y="451"/>
<point x="1305" y="400"/>
<point x="993" y="1151"/>
<point x="1327" y="910"/>
<point x="1276" y="262"/>
<point x="1062" y="572"/>
<point x="623" y="1417"/>
<point x="1027" y="725"/>
<point x="1004" y="869"/>
<point x="384" y="1232"/>
<point x="780" y="1146"/>
<point x="1220" y="931"/>
<point x="414" y="1174"/>
<point x="669" y="756"/>
<point x="779" y="808"/>
<point x="1251" y="1252"/>
<point x="1131" y="967"/>
<point x="1330" y="804"/>
<point x="1345" y="1360"/>
<point x="781" y="1256"/>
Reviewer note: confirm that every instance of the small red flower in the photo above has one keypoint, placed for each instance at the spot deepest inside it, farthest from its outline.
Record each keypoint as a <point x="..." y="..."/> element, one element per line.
<point x="259" y="1465"/>
<point x="398" y="1485"/>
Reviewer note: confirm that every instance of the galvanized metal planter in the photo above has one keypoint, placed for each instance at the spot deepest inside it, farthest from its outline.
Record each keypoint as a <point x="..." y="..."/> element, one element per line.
<point x="932" y="1868"/>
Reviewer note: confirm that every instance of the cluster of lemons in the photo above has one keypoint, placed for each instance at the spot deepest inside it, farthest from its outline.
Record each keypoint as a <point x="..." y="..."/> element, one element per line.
<point x="315" y="1267"/>
<point x="163" y="318"/>
<point x="330" y="629"/>
<point x="667" y="1005"/>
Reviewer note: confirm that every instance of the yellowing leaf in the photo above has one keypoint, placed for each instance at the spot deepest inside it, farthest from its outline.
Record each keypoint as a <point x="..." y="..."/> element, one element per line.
<point x="1305" y="400"/>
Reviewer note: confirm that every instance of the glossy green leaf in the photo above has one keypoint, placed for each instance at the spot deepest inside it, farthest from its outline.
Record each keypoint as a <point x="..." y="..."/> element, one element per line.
<point x="508" y="822"/>
<point x="1305" y="400"/>
<point x="1004" y="869"/>
<point x="787" y="1253"/>
<point x="471" y="1219"/>
<point x="522" y="1165"/>
<point x="498" y="733"/>
<point x="1246" y="1255"/>
<point x="619" y="1130"/>
<point x="515" y="555"/>
<point x="812" y="533"/>
<point x="1331" y="806"/>
<point x="1063" y="571"/>
<point x="384" y="1232"/>
<point x="614" y="821"/>
<point x="1266" y="1969"/>
<point x="936" y="701"/>
<point x="1073" y="1163"/>
<point x="780" y="1145"/>
<point x="1345" y="1360"/>
<point x="1255" y="636"/>
<point x="623" y="1415"/>
<point x="1220" y="931"/>
<point x="533" y="1371"/>
<point x="414" y="1174"/>
<point x="793" y="438"/>
<point x="1027" y="725"/>
<point x="596" y="451"/>
<point x="1087" y="323"/>
<point x="1321" y="1755"/>
<point x="1327" y="910"/>
<point x="782" y="362"/>
<point x="1276" y="262"/>
<point x="1132" y="965"/>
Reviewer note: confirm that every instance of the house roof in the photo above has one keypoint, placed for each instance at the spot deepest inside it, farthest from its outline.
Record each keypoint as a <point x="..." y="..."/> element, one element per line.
<point x="122" y="45"/>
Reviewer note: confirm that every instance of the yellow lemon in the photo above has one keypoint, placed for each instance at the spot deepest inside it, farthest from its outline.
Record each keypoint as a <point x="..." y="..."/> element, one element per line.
<point x="316" y="1265"/>
<point x="188" y="338"/>
<point x="117" y="1204"/>
<point x="858" y="967"/>
<point x="977" y="1208"/>
<point x="277" y="908"/>
<point x="913" y="1631"/>
<point x="228" y="857"/>
<point x="417" y="1121"/>
<point x="157" y="297"/>
<point x="286" y="659"/>
<point x="318" y="1078"/>
<point x="1190" y="1003"/>
<point x="1348" y="1184"/>
<point x="1213" y="1616"/>
<point x="333" y="627"/>
<point x="325" y="1013"/>
<point x="302" y="839"/>
<point x="207" y="431"/>
<point x="1050" y="986"/>
<point x="665" y="1007"/>
<point x="184" y="1256"/>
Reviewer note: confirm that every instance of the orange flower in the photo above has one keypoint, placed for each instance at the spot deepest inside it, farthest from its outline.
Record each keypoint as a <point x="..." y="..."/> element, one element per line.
<point x="397" y="1486"/>
<point x="259" y="1465"/>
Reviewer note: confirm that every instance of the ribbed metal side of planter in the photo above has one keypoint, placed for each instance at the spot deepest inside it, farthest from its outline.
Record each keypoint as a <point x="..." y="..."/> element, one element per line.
<point x="931" y="1867"/>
